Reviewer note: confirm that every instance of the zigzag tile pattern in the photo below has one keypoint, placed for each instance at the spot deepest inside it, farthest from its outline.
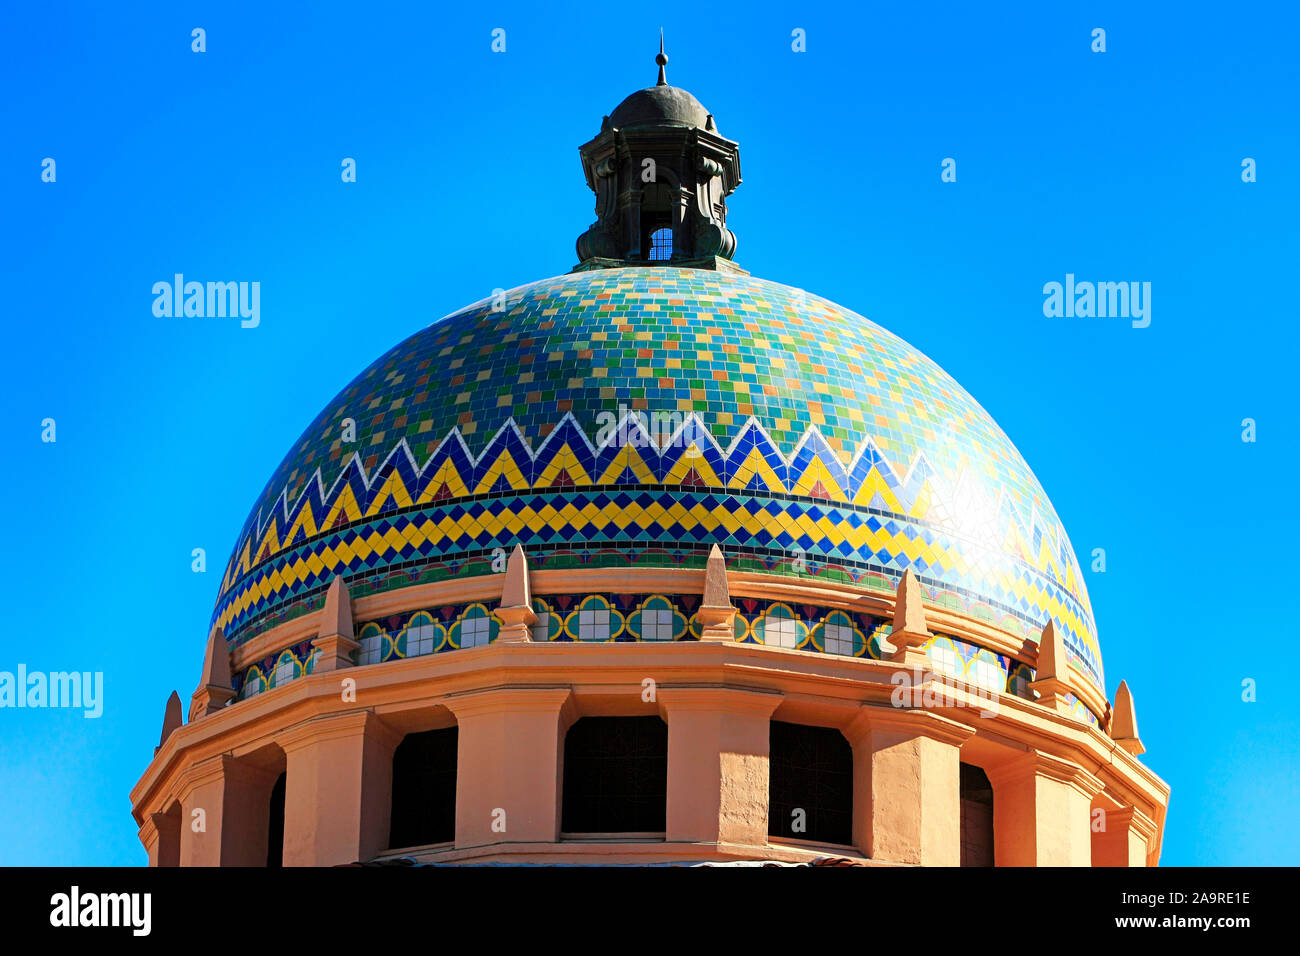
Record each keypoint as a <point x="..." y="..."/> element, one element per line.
<point x="653" y="412"/>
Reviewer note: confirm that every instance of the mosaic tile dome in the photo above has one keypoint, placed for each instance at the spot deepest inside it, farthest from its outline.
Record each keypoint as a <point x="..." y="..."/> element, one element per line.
<point x="631" y="417"/>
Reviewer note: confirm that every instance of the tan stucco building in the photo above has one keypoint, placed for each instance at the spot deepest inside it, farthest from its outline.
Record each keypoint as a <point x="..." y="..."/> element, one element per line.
<point x="653" y="562"/>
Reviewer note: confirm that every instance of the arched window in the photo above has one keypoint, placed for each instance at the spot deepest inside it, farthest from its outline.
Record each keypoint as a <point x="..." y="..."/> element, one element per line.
<point x="475" y="628"/>
<point x="424" y="789"/>
<point x="275" y="828"/>
<point x="286" y="669"/>
<point x="595" y="620"/>
<point x="1019" y="677"/>
<point x="656" y="216"/>
<point x="615" y="776"/>
<point x="423" y="635"/>
<point x="658" y="620"/>
<point x="985" y="671"/>
<point x="593" y="624"/>
<point x="810" y="784"/>
<point x="838" y="635"/>
<point x="976" y="817"/>
<point x="661" y="244"/>
<point x="778" y="627"/>
<point x="372" y="644"/>
<point x="254" y="682"/>
<point x="945" y="659"/>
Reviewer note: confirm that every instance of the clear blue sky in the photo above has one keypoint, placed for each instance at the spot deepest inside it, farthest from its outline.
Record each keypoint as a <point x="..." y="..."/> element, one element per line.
<point x="1117" y="166"/>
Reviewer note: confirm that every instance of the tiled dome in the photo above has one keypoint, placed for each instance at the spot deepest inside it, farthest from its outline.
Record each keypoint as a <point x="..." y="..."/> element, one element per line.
<point x="801" y="437"/>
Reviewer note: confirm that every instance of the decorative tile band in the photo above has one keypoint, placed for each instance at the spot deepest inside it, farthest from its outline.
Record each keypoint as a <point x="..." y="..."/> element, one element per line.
<point x="632" y="618"/>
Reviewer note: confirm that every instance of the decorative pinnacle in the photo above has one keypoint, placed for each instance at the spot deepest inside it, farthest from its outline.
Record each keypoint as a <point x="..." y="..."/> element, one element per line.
<point x="662" y="60"/>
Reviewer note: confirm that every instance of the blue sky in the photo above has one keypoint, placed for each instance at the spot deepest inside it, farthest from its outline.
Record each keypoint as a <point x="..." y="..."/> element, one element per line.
<point x="1122" y="166"/>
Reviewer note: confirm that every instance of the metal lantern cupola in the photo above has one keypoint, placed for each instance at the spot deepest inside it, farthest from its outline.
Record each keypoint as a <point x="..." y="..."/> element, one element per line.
<point x="661" y="173"/>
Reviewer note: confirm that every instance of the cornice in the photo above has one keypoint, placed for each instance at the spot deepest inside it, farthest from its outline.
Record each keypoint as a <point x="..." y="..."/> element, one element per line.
<point x="503" y="698"/>
<point x="1049" y="766"/>
<point x="549" y="671"/>
<point x="716" y="698"/>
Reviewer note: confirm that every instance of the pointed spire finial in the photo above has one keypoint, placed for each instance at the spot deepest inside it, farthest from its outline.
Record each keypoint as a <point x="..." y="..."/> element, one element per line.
<point x="717" y="590"/>
<point x="336" y="617"/>
<point x="911" y="632"/>
<point x="516" y="592"/>
<point x="1052" y="670"/>
<point x="335" y="639"/>
<point x="171" y="720"/>
<point x="716" y="614"/>
<point x="662" y="60"/>
<point x="215" y="690"/>
<point x="1123" y="722"/>
<point x="516" y="612"/>
<point x="1051" y="653"/>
